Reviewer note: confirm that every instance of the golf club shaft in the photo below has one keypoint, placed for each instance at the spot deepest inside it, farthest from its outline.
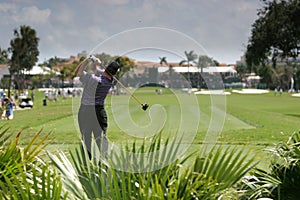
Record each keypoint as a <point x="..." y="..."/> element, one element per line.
<point x="137" y="100"/>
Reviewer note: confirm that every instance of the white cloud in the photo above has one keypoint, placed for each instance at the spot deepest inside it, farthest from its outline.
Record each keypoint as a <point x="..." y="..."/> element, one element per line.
<point x="221" y="27"/>
<point x="7" y="7"/>
<point x="32" y="15"/>
<point x="108" y="2"/>
<point x="12" y="13"/>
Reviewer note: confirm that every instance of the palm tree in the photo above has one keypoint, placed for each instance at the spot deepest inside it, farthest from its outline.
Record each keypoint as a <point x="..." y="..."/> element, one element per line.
<point x="190" y="57"/>
<point x="203" y="61"/>
<point x="163" y="60"/>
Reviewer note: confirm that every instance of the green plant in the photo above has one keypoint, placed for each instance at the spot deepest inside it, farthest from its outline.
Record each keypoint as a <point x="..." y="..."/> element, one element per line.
<point x="23" y="172"/>
<point x="162" y="176"/>
<point x="283" y="179"/>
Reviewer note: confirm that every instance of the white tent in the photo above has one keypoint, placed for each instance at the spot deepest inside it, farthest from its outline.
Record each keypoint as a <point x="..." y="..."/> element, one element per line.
<point x="37" y="70"/>
<point x="210" y="69"/>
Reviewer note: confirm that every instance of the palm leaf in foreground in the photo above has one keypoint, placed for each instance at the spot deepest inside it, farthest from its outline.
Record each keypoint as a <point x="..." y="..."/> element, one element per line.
<point x="282" y="181"/>
<point x="23" y="174"/>
<point x="104" y="178"/>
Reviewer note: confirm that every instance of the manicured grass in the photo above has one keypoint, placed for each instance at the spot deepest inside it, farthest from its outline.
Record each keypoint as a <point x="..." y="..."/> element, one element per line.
<point x="252" y="120"/>
<point x="256" y="119"/>
<point x="274" y="117"/>
<point x="56" y="117"/>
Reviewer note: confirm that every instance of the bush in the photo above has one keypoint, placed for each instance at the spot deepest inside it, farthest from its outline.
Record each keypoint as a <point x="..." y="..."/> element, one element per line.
<point x="208" y="177"/>
<point x="23" y="174"/>
<point x="283" y="179"/>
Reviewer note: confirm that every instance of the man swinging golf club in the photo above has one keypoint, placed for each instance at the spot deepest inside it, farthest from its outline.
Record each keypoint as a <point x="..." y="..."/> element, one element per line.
<point x="92" y="116"/>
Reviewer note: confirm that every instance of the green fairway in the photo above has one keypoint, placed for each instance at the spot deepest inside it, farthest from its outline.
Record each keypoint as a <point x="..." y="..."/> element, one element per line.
<point x="248" y="118"/>
<point x="253" y="120"/>
<point x="274" y="118"/>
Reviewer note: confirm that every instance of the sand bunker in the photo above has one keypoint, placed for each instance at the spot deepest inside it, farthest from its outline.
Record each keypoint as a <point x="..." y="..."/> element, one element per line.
<point x="250" y="91"/>
<point x="296" y="95"/>
<point x="213" y="92"/>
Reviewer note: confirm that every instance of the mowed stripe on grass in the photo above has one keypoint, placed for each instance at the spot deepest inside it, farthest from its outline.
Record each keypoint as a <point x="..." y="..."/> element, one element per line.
<point x="249" y="119"/>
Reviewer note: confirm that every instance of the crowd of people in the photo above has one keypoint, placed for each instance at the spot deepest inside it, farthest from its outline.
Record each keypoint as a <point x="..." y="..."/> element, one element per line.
<point x="9" y="104"/>
<point x="52" y="94"/>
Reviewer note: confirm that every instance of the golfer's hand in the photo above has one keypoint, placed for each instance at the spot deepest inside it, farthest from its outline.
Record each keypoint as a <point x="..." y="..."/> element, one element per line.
<point x="94" y="59"/>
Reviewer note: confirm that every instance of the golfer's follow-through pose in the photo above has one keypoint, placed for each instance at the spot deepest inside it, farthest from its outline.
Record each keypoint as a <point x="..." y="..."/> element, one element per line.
<point x="92" y="116"/>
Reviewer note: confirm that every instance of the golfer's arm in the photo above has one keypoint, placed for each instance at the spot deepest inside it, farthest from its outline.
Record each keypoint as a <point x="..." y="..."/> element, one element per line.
<point x="81" y="67"/>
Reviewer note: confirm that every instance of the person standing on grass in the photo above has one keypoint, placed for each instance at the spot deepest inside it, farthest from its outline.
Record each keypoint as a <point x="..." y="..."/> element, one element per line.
<point x="92" y="118"/>
<point x="9" y="106"/>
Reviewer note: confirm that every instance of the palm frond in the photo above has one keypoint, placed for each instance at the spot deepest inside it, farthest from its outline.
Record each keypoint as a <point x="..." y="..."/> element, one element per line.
<point x="23" y="174"/>
<point x="130" y="175"/>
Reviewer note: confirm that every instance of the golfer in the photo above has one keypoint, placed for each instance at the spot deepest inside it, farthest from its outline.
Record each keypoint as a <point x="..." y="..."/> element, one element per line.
<point x="92" y="118"/>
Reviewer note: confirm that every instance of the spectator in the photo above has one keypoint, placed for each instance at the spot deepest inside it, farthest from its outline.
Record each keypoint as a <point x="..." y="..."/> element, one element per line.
<point x="9" y="105"/>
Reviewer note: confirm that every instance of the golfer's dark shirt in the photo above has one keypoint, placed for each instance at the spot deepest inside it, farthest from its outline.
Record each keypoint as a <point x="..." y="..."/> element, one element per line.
<point x="95" y="88"/>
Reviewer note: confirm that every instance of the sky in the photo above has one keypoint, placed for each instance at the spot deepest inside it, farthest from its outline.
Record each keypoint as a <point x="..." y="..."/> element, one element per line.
<point x="219" y="29"/>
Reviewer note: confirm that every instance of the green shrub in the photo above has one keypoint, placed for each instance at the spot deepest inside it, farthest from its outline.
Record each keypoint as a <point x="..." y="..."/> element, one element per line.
<point x="282" y="181"/>
<point x="24" y="174"/>
<point x="105" y="178"/>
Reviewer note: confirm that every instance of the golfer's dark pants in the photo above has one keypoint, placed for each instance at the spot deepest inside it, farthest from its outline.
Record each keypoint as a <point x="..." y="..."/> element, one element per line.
<point x="93" y="119"/>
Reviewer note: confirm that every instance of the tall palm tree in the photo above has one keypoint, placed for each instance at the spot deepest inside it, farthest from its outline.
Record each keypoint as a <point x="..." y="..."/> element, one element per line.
<point x="203" y="61"/>
<point x="163" y="60"/>
<point x="190" y="57"/>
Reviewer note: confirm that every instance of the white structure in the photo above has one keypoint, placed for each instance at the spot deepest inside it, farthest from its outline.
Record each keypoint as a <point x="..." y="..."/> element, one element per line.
<point x="192" y="69"/>
<point x="37" y="70"/>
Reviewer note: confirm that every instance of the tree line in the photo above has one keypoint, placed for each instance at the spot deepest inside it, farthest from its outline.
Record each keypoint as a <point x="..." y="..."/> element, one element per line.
<point x="274" y="45"/>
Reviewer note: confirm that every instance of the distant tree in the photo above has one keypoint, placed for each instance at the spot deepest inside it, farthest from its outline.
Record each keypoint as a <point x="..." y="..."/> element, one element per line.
<point x="3" y="56"/>
<point x="190" y="58"/>
<point x="203" y="61"/>
<point x="105" y="58"/>
<point x="52" y="62"/>
<point x="216" y="63"/>
<point x="242" y="70"/>
<point x="24" y="49"/>
<point x="265" y="72"/>
<point x="126" y="64"/>
<point x="276" y="33"/>
<point x="4" y="83"/>
<point x="66" y="72"/>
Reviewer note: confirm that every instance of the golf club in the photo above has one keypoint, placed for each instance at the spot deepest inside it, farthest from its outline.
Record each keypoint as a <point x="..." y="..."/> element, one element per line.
<point x="144" y="105"/>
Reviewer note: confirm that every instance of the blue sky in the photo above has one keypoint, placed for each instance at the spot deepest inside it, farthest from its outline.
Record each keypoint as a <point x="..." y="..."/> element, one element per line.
<point x="221" y="27"/>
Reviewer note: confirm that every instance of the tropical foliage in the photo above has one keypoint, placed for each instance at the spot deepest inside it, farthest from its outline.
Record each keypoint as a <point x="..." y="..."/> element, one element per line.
<point x="275" y="34"/>
<point x="223" y="173"/>
<point x="191" y="56"/>
<point x="27" y="174"/>
<point x="282" y="181"/>
<point x="23" y="172"/>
